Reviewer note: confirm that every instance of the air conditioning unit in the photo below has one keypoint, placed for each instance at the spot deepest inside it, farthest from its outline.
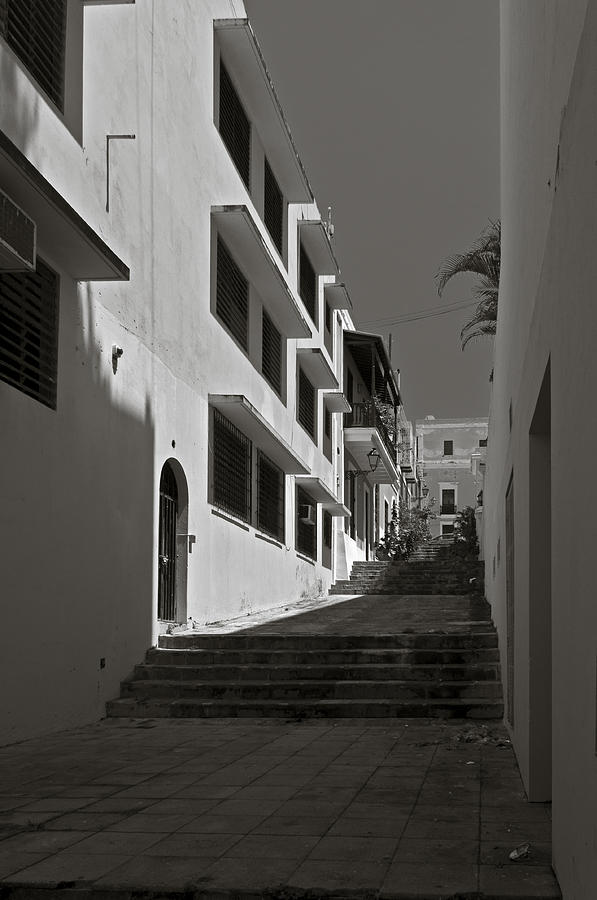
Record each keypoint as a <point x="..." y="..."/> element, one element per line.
<point x="307" y="514"/>
<point x="17" y="238"/>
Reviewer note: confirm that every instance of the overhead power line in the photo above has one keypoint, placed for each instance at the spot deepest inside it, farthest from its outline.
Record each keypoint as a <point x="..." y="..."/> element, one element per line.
<point x="428" y="313"/>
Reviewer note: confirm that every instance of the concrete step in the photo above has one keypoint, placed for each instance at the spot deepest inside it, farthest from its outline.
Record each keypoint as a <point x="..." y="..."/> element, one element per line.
<point x="401" y="656"/>
<point x="442" y="709"/>
<point x="364" y="672"/>
<point x="301" y="691"/>
<point x="241" y="642"/>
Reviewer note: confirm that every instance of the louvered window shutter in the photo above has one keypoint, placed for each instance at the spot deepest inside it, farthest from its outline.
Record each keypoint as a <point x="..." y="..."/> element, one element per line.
<point x="270" y="497"/>
<point x="307" y="283"/>
<point x="306" y="404"/>
<point x="273" y="207"/>
<point x="235" y="127"/>
<point x="271" y="354"/>
<point x="231" y="468"/>
<point x="35" y="30"/>
<point x="232" y="296"/>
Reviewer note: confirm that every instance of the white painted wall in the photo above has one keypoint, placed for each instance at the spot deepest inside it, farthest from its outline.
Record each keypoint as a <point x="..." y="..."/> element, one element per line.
<point x="80" y="484"/>
<point x="547" y="314"/>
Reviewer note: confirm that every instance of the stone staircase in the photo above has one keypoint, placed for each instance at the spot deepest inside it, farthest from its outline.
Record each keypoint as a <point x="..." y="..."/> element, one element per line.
<point x="440" y="660"/>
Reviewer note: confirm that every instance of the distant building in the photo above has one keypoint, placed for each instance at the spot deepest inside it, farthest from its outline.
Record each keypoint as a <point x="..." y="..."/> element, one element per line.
<point x="450" y="453"/>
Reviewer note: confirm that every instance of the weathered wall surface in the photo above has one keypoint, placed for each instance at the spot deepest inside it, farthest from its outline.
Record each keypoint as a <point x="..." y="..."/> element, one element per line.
<point x="545" y="338"/>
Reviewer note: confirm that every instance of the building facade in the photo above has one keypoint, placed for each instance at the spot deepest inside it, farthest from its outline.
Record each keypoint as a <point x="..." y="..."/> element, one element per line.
<point x="451" y="453"/>
<point x="539" y="520"/>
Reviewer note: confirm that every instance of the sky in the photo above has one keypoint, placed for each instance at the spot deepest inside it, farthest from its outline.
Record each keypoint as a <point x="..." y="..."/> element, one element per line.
<point x="394" y="108"/>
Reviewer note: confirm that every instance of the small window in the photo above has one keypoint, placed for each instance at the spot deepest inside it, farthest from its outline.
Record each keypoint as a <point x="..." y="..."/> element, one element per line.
<point x="36" y="32"/>
<point x="448" y="448"/>
<point x="235" y="127"/>
<point x="448" y="507"/>
<point x="308" y="284"/>
<point x="231" y="468"/>
<point x="232" y="296"/>
<point x="306" y="404"/>
<point x="483" y="442"/>
<point x="271" y="353"/>
<point x="306" y="524"/>
<point x="29" y="332"/>
<point x="273" y="207"/>
<point x="327" y="529"/>
<point x="447" y="529"/>
<point x="270" y="497"/>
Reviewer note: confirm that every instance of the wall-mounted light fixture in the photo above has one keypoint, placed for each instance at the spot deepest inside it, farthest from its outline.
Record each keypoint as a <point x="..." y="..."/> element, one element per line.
<point x="116" y="354"/>
<point x="373" y="458"/>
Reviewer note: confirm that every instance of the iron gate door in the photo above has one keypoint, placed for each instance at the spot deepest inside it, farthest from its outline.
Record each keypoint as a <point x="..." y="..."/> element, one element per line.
<point x="167" y="546"/>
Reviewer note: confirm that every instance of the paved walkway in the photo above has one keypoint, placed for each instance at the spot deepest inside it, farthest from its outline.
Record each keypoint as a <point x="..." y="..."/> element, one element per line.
<point x="268" y="808"/>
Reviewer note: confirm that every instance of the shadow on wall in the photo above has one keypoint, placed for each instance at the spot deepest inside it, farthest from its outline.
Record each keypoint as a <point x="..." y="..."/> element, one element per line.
<point x="78" y="495"/>
<point x="19" y="117"/>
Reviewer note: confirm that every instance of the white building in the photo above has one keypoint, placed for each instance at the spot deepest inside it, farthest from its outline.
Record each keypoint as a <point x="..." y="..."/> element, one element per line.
<point x="539" y="501"/>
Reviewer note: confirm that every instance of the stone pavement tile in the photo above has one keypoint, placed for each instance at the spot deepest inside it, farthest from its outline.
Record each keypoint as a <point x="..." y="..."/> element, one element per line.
<point x="516" y="833"/>
<point x="118" y="842"/>
<point x="68" y="866"/>
<point x="235" y="807"/>
<point x="179" y="844"/>
<point x="56" y="804"/>
<point x="266" y="875"/>
<point x="494" y="853"/>
<point x="10" y="823"/>
<point x="358" y="810"/>
<point x="230" y="824"/>
<point x="83" y="821"/>
<point x="173" y="873"/>
<point x="119" y="778"/>
<point x="422" y="828"/>
<point x="344" y="878"/>
<point x="283" y="825"/>
<point x="41" y="841"/>
<point x="315" y="808"/>
<point x="376" y="827"/>
<point x="523" y="812"/>
<point x="284" y="777"/>
<point x="326" y="793"/>
<point x="206" y="791"/>
<point x="144" y="822"/>
<point x="118" y="804"/>
<point x="91" y="791"/>
<point x="502" y="796"/>
<point x="266" y="792"/>
<point x="438" y="851"/>
<point x="501" y="882"/>
<point x="180" y="805"/>
<point x="13" y="862"/>
<point x="355" y="847"/>
<point x="432" y="812"/>
<point x="8" y="803"/>
<point x="274" y="846"/>
<point x="433" y="881"/>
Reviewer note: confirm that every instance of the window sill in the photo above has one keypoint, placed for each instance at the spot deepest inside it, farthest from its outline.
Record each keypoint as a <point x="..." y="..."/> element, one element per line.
<point x="261" y="536"/>
<point x="229" y="517"/>
<point x="306" y="558"/>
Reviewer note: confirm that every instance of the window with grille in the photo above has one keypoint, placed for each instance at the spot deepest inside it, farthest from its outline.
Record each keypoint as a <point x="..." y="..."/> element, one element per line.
<point x="235" y="127"/>
<point x="36" y="31"/>
<point x="271" y="353"/>
<point x="232" y="296"/>
<point x="306" y="524"/>
<point x="448" y="448"/>
<point x="306" y="404"/>
<point x="29" y="332"/>
<point x="273" y="207"/>
<point x="307" y="284"/>
<point x="328" y="316"/>
<point x="327" y="528"/>
<point x="231" y="468"/>
<point x="270" y="497"/>
<point x="328" y="423"/>
<point x="483" y="442"/>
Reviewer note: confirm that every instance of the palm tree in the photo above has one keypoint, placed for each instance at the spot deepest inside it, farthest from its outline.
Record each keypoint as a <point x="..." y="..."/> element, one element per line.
<point x="483" y="259"/>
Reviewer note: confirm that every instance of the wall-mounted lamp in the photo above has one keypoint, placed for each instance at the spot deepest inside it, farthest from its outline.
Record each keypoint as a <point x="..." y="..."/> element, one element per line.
<point x="116" y="354"/>
<point x="373" y="458"/>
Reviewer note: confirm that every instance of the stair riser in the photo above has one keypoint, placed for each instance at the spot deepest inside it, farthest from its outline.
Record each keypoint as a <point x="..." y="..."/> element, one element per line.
<point x="305" y="643"/>
<point x="316" y="673"/>
<point x="302" y="691"/>
<point x="181" y="709"/>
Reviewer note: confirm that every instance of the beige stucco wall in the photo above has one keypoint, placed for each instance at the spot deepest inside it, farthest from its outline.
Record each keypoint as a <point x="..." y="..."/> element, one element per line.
<point x="547" y="316"/>
<point x="80" y="484"/>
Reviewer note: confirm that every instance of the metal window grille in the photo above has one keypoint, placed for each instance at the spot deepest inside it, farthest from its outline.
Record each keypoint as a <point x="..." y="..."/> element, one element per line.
<point x="328" y="423"/>
<point x="349" y="386"/>
<point x="306" y="404"/>
<point x="232" y="296"/>
<point x="235" y="127"/>
<point x="29" y="332"/>
<point x="35" y="30"/>
<point x="168" y="516"/>
<point x="448" y="448"/>
<point x="273" y="207"/>
<point x="307" y="284"/>
<point x="306" y="533"/>
<point x="231" y="468"/>
<point x="328" y="316"/>
<point x="270" y="497"/>
<point x="271" y="353"/>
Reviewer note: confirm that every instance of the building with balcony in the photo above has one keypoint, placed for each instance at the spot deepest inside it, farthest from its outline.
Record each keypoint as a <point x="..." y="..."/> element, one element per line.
<point x="172" y="344"/>
<point x="448" y="453"/>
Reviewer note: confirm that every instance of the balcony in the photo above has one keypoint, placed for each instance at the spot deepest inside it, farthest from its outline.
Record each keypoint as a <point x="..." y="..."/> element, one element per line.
<point x="364" y="430"/>
<point x="448" y="509"/>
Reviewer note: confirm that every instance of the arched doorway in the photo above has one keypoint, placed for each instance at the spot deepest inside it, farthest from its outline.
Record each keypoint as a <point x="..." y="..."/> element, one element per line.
<point x="172" y="543"/>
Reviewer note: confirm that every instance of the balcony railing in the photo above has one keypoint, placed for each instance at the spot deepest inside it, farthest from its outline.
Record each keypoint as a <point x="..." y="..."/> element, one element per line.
<point x="365" y="415"/>
<point x="448" y="509"/>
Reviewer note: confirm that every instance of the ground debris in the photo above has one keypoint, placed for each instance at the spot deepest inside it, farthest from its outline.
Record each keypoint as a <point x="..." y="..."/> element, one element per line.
<point x="481" y="734"/>
<point x="521" y="851"/>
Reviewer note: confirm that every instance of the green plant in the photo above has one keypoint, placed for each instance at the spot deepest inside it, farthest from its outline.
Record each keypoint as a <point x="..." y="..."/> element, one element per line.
<point x="408" y="529"/>
<point x="483" y="259"/>
<point x="465" y="533"/>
